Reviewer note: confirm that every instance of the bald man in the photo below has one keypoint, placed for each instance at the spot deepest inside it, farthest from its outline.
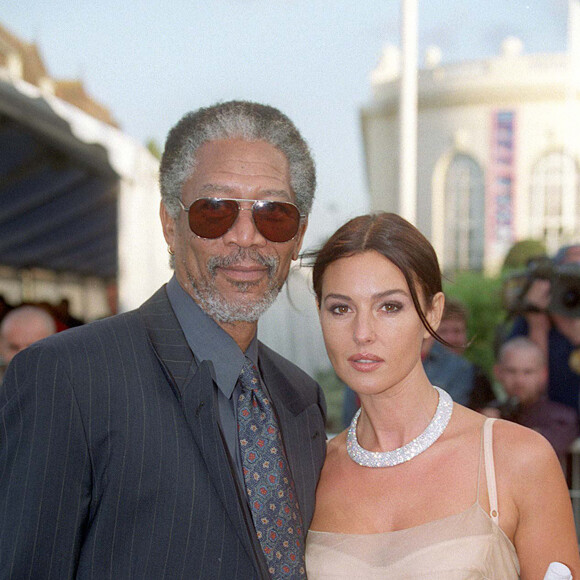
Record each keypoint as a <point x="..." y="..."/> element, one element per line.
<point x="21" y="327"/>
<point x="522" y="371"/>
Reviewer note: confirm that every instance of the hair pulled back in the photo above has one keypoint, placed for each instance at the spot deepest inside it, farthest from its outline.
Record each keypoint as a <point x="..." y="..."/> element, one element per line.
<point x="397" y="240"/>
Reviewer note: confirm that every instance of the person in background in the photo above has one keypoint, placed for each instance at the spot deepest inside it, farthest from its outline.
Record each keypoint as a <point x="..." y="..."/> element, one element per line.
<point x="417" y="486"/>
<point x="168" y="442"/>
<point x="453" y="327"/>
<point x="20" y="328"/>
<point x="453" y="330"/>
<point x="522" y="371"/>
<point x="557" y="335"/>
<point x="5" y="307"/>
<point x="63" y="313"/>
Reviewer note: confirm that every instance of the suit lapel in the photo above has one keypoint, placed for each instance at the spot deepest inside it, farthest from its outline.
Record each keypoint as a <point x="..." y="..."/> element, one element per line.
<point x="196" y="390"/>
<point x="200" y="406"/>
<point x="167" y="339"/>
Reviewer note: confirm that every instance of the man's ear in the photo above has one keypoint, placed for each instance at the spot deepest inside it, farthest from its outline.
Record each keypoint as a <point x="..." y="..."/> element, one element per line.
<point x="168" y="224"/>
<point x="435" y="312"/>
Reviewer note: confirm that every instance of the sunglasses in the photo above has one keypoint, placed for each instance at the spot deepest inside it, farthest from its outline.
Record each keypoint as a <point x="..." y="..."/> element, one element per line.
<point x="212" y="217"/>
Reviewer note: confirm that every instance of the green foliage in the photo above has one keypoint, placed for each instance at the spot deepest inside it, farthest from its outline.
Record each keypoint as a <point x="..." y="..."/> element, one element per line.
<point x="482" y="297"/>
<point x="154" y="148"/>
<point x="519" y="254"/>
<point x="333" y="389"/>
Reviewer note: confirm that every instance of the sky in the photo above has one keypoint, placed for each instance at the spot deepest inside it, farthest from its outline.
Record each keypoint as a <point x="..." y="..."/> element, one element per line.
<point x="151" y="62"/>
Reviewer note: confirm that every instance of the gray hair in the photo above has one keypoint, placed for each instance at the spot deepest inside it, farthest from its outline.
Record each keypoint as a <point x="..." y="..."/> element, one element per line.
<point x="235" y="120"/>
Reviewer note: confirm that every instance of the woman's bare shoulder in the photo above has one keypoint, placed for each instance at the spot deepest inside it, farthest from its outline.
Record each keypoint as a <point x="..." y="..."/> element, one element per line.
<point x="519" y="445"/>
<point x="526" y="464"/>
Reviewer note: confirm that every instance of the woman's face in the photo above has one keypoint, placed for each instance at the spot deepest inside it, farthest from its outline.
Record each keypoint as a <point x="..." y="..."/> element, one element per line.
<point x="371" y="329"/>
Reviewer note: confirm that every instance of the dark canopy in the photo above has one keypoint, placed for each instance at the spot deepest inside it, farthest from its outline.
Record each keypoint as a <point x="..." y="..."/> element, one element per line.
<point x="58" y="194"/>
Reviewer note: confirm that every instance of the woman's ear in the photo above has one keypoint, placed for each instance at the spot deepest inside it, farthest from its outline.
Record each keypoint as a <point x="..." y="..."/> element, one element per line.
<point x="435" y="313"/>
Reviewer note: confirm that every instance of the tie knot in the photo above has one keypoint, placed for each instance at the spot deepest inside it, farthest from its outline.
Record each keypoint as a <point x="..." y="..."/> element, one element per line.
<point x="249" y="376"/>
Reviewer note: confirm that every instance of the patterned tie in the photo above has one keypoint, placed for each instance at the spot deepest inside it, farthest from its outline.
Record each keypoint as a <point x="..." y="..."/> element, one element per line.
<point x="269" y="484"/>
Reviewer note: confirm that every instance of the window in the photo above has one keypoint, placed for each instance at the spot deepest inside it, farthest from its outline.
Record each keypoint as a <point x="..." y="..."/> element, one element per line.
<point x="464" y="214"/>
<point x="554" y="206"/>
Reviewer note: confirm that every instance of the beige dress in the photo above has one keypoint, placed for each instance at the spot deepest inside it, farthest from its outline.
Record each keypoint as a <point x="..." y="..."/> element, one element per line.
<point x="463" y="546"/>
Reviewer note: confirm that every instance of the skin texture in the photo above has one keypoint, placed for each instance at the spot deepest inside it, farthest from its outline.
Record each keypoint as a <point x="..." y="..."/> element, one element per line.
<point x="366" y="311"/>
<point x="242" y="170"/>
<point x="21" y="328"/>
<point x="523" y="373"/>
<point x="454" y="331"/>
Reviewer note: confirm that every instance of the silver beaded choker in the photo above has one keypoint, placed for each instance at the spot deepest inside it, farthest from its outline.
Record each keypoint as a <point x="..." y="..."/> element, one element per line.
<point x="408" y="451"/>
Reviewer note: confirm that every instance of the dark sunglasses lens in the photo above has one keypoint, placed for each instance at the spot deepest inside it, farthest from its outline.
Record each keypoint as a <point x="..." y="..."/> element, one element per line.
<point x="211" y="218"/>
<point x="276" y="221"/>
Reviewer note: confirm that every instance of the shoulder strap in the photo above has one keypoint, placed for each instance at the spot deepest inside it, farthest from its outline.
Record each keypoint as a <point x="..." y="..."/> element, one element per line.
<point x="490" y="469"/>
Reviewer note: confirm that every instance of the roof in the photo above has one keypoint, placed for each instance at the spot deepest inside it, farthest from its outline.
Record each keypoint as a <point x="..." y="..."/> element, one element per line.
<point x="23" y="60"/>
<point x="58" y="195"/>
<point x="76" y="194"/>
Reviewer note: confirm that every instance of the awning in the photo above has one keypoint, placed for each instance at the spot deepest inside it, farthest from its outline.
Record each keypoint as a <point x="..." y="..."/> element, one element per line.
<point x="76" y="195"/>
<point x="58" y="195"/>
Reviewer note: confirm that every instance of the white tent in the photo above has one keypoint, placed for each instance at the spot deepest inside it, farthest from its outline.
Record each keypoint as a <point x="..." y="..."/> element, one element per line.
<point x="77" y="195"/>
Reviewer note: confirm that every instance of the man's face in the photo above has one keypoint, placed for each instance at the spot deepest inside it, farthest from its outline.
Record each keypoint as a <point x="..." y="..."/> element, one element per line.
<point x="17" y="336"/>
<point x="522" y="374"/>
<point x="572" y="255"/>
<point x="237" y="276"/>
<point x="454" y="331"/>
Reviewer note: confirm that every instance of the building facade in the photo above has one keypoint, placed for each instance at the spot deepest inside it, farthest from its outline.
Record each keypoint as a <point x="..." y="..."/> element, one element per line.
<point x="498" y="152"/>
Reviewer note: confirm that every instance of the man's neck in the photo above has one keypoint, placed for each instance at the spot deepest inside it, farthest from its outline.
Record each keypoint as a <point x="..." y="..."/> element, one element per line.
<point x="241" y="332"/>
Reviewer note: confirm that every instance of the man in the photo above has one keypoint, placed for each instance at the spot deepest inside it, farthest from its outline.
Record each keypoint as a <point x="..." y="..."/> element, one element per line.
<point x="123" y="458"/>
<point x="556" y="333"/>
<point x="447" y="370"/>
<point x="453" y="329"/>
<point x="453" y="326"/>
<point x="20" y="328"/>
<point x="445" y="366"/>
<point x="522" y="371"/>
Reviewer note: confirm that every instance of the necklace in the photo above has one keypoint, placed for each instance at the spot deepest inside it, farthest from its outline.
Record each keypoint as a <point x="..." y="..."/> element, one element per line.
<point x="408" y="451"/>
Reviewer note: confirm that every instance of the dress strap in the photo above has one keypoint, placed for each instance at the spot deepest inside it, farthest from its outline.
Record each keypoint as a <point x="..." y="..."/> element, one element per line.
<point x="490" y="469"/>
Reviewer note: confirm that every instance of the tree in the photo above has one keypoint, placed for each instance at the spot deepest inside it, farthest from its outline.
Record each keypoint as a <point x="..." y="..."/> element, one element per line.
<point x="521" y="252"/>
<point x="154" y="148"/>
<point x="482" y="295"/>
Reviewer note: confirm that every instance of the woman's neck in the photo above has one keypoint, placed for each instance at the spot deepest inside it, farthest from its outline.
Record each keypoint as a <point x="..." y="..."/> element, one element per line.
<point x="390" y="420"/>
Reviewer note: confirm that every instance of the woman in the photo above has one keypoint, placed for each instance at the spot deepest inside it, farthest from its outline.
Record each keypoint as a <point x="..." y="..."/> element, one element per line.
<point x="417" y="487"/>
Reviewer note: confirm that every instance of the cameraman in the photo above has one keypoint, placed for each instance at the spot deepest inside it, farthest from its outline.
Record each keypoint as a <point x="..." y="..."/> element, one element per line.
<point x="556" y="333"/>
<point x="522" y="372"/>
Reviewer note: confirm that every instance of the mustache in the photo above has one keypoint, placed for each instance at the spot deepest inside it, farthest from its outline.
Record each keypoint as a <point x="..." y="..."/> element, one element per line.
<point x="243" y="255"/>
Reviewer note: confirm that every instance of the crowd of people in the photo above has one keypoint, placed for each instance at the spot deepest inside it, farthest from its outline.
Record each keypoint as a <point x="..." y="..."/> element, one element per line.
<point x="170" y="442"/>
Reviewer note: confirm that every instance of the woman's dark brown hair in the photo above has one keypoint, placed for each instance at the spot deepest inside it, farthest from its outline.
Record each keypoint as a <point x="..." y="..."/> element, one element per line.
<point x="397" y="240"/>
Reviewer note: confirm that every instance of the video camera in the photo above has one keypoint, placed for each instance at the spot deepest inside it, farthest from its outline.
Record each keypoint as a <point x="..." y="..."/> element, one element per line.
<point x="508" y="409"/>
<point x="564" y="288"/>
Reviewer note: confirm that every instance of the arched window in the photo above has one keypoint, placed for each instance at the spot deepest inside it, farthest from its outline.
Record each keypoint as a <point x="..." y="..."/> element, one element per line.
<point x="464" y="214"/>
<point x="554" y="207"/>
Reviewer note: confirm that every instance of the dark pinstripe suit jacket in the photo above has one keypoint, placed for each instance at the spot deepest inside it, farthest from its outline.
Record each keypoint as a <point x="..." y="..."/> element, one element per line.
<point x="112" y="464"/>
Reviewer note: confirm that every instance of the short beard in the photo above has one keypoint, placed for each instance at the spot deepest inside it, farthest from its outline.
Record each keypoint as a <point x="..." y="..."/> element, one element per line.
<point x="215" y="304"/>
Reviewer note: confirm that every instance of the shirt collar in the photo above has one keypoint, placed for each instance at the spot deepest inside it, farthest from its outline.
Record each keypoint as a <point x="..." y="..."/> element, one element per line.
<point x="208" y="341"/>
